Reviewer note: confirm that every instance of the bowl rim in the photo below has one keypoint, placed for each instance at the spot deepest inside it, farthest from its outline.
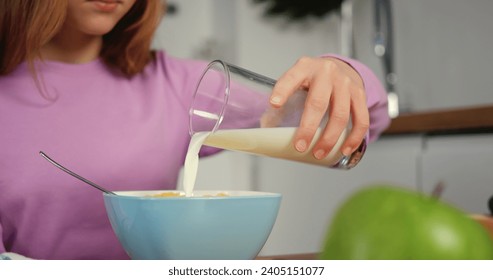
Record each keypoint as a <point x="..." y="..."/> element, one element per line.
<point x="245" y="195"/>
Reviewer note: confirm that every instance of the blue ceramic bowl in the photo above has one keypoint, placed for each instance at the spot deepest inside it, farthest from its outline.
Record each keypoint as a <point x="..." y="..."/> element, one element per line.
<point x="197" y="228"/>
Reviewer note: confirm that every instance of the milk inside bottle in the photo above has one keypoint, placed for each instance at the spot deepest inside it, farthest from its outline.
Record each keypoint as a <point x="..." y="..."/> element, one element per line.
<point x="231" y="105"/>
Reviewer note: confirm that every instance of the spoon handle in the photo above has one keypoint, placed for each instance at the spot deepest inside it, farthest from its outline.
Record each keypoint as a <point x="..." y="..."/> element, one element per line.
<point x="74" y="174"/>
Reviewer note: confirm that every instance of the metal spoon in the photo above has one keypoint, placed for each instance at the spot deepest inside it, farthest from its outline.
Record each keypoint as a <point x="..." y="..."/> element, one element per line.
<point x="75" y="175"/>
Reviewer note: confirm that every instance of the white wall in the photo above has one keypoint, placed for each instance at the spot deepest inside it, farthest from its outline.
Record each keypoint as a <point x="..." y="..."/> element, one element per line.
<point x="182" y="34"/>
<point x="272" y="45"/>
<point x="236" y="31"/>
<point x="443" y="51"/>
<point x="464" y="165"/>
<point x="442" y="47"/>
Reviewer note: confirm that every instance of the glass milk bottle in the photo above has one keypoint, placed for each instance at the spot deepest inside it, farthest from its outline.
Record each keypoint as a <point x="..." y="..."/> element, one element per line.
<point x="232" y="105"/>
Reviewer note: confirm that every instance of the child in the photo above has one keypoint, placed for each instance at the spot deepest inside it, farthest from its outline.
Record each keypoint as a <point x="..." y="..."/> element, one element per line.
<point x="78" y="80"/>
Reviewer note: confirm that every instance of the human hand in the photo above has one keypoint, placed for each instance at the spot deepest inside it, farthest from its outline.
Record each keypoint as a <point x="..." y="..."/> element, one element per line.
<point x="334" y="88"/>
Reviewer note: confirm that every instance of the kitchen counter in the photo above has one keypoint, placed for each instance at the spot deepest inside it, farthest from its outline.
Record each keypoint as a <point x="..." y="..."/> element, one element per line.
<point x="473" y="119"/>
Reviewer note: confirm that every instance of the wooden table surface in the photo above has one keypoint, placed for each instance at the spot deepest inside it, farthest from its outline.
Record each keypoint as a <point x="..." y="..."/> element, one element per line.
<point x="471" y="119"/>
<point x="307" y="256"/>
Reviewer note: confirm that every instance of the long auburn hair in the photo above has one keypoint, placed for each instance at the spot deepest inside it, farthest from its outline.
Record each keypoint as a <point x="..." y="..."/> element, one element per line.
<point x="27" y="25"/>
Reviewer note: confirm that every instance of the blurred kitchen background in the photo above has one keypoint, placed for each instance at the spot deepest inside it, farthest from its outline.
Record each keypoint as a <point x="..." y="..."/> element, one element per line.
<point x="432" y="55"/>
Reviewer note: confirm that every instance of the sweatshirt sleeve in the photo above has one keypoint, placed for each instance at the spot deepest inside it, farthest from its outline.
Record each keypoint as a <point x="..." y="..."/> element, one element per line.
<point x="2" y="247"/>
<point x="376" y="97"/>
<point x="4" y="255"/>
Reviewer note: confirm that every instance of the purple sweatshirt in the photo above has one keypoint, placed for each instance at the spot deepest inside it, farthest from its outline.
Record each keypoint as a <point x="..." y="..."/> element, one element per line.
<point x="121" y="133"/>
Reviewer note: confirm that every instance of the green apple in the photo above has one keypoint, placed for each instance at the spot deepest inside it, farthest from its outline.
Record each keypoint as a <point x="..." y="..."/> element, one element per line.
<point x="388" y="222"/>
